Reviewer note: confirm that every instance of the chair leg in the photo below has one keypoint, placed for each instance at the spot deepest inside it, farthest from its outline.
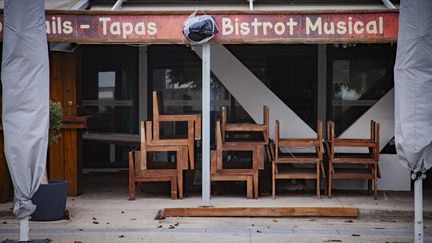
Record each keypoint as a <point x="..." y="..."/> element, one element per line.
<point x="131" y="189"/>
<point x="255" y="184"/>
<point x="318" y="186"/>
<point x="191" y="149"/>
<point x="180" y="183"/>
<point x="375" y="186"/>
<point x="329" y="186"/>
<point x="173" y="187"/>
<point x="273" y="181"/>
<point x="249" y="190"/>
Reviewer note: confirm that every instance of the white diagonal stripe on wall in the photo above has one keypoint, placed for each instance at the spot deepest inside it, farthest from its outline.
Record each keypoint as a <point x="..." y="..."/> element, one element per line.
<point x="382" y="112"/>
<point x="252" y="94"/>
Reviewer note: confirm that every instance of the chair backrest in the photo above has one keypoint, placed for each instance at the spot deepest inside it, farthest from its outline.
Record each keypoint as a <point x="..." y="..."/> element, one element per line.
<point x="374" y="138"/>
<point x="157" y="105"/>
<point x="143" y="146"/>
<point x="223" y="119"/>
<point x="317" y="143"/>
<point x="265" y="124"/>
<point x="218" y="136"/>
<point x="276" y="140"/>
<point x="330" y="139"/>
<point x="319" y="148"/>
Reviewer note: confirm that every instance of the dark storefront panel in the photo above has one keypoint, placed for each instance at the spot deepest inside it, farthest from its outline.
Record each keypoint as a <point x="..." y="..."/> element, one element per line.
<point x="110" y="96"/>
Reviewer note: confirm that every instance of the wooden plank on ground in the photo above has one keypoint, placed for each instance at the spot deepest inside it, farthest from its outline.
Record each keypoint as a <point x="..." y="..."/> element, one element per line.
<point x="262" y="212"/>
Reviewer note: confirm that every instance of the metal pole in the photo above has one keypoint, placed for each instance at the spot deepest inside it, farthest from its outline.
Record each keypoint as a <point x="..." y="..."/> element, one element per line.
<point x="24" y="229"/>
<point x="418" y="210"/>
<point x="206" y="125"/>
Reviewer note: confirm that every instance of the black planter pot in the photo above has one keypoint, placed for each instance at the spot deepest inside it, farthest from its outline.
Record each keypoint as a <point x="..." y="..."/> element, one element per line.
<point x="50" y="201"/>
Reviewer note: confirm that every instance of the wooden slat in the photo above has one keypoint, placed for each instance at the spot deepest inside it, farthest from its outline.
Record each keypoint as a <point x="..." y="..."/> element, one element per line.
<point x="262" y="212"/>
<point x="299" y="142"/>
<point x="244" y="127"/>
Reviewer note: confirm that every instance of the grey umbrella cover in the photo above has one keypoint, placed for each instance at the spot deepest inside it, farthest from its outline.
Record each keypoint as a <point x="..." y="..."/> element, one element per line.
<point x="25" y="79"/>
<point x="413" y="85"/>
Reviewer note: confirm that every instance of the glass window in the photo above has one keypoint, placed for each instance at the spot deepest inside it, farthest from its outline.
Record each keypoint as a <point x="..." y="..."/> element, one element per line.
<point x="358" y="76"/>
<point x="176" y="72"/>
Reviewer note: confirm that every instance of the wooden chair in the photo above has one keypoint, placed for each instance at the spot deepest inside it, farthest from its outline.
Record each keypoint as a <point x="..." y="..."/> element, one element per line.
<point x="260" y="145"/>
<point x="139" y="171"/>
<point x="314" y="159"/>
<point x="247" y="127"/>
<point x="369" y="160"/>
<point x="250" y="175"/>
<point x="193" y="121"/>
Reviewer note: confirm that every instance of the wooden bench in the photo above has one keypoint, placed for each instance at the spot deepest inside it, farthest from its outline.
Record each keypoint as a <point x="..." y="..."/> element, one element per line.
<point x="249" y="175"/>
<point x="139" y="171"/>
<point x="370" y="169"/>
<point x="312" y="159"/>
<point x="193" y="124"/>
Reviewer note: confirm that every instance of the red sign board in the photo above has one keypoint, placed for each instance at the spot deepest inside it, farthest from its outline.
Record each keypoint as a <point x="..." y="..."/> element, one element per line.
<point x="124" y="27"/>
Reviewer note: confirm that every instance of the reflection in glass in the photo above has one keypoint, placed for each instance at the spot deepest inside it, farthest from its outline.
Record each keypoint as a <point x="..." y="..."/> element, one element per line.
<point x="358" y="77"/>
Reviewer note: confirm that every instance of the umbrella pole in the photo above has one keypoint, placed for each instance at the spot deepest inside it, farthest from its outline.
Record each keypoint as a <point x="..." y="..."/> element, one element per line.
<point x="418" y="210"/>
<point x="24" y="229"/>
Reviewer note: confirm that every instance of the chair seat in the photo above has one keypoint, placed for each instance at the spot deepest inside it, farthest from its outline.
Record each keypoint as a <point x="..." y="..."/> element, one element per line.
<point x="245" y="127"/>
<point x="352" y="142"/>
<point x="353" y="159"/>
<point x="297" y="173"/>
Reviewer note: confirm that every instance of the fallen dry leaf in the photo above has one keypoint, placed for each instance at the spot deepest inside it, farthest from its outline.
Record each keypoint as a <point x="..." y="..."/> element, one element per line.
<point x="356" y="235"/>
<point x="259" y="231"/>
<point x="159" y="226"/>
<point x="67" y="216"/>
<point x="171" y="227"/>
<point x="94" y="218"/>
<point x="95" y="222"/>
<point x="121" y="236"/>
<point x="349" y="221"/>
<point x="4" y="222"/>
<point x="176" y="224"/>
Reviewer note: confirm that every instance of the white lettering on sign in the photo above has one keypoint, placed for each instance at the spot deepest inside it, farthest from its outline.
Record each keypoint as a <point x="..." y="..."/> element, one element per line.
<point x="316" y="26"/>
<point x="344" y="27"/>
<point x="125" y="29"/>
<point x="56" y="25"/>
<point x="256" y="27"/>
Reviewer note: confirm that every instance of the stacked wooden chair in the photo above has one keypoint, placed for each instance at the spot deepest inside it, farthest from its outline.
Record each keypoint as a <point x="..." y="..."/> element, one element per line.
<point x="227" y="141"/>
<point x="193" y="126"/>
<point x="140" y="172"/>
<point x="151" y="142"/>
<point x="297" y="161"/>
<point x="229" y="131"/>
<point x="368" y="162"/>
<point x="219" y="173"/>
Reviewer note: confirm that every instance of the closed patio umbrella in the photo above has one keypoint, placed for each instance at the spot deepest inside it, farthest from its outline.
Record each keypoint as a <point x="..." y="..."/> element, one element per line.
<point x="413" y="96"/>
<point x="25" y="79"/>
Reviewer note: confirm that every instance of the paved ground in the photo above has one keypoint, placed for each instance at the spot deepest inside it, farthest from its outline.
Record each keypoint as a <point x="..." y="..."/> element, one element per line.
<point x="103" y="214"/>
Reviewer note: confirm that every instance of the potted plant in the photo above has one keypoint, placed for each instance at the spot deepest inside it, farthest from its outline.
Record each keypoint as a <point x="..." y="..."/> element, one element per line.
<point x="50" y="199"/>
